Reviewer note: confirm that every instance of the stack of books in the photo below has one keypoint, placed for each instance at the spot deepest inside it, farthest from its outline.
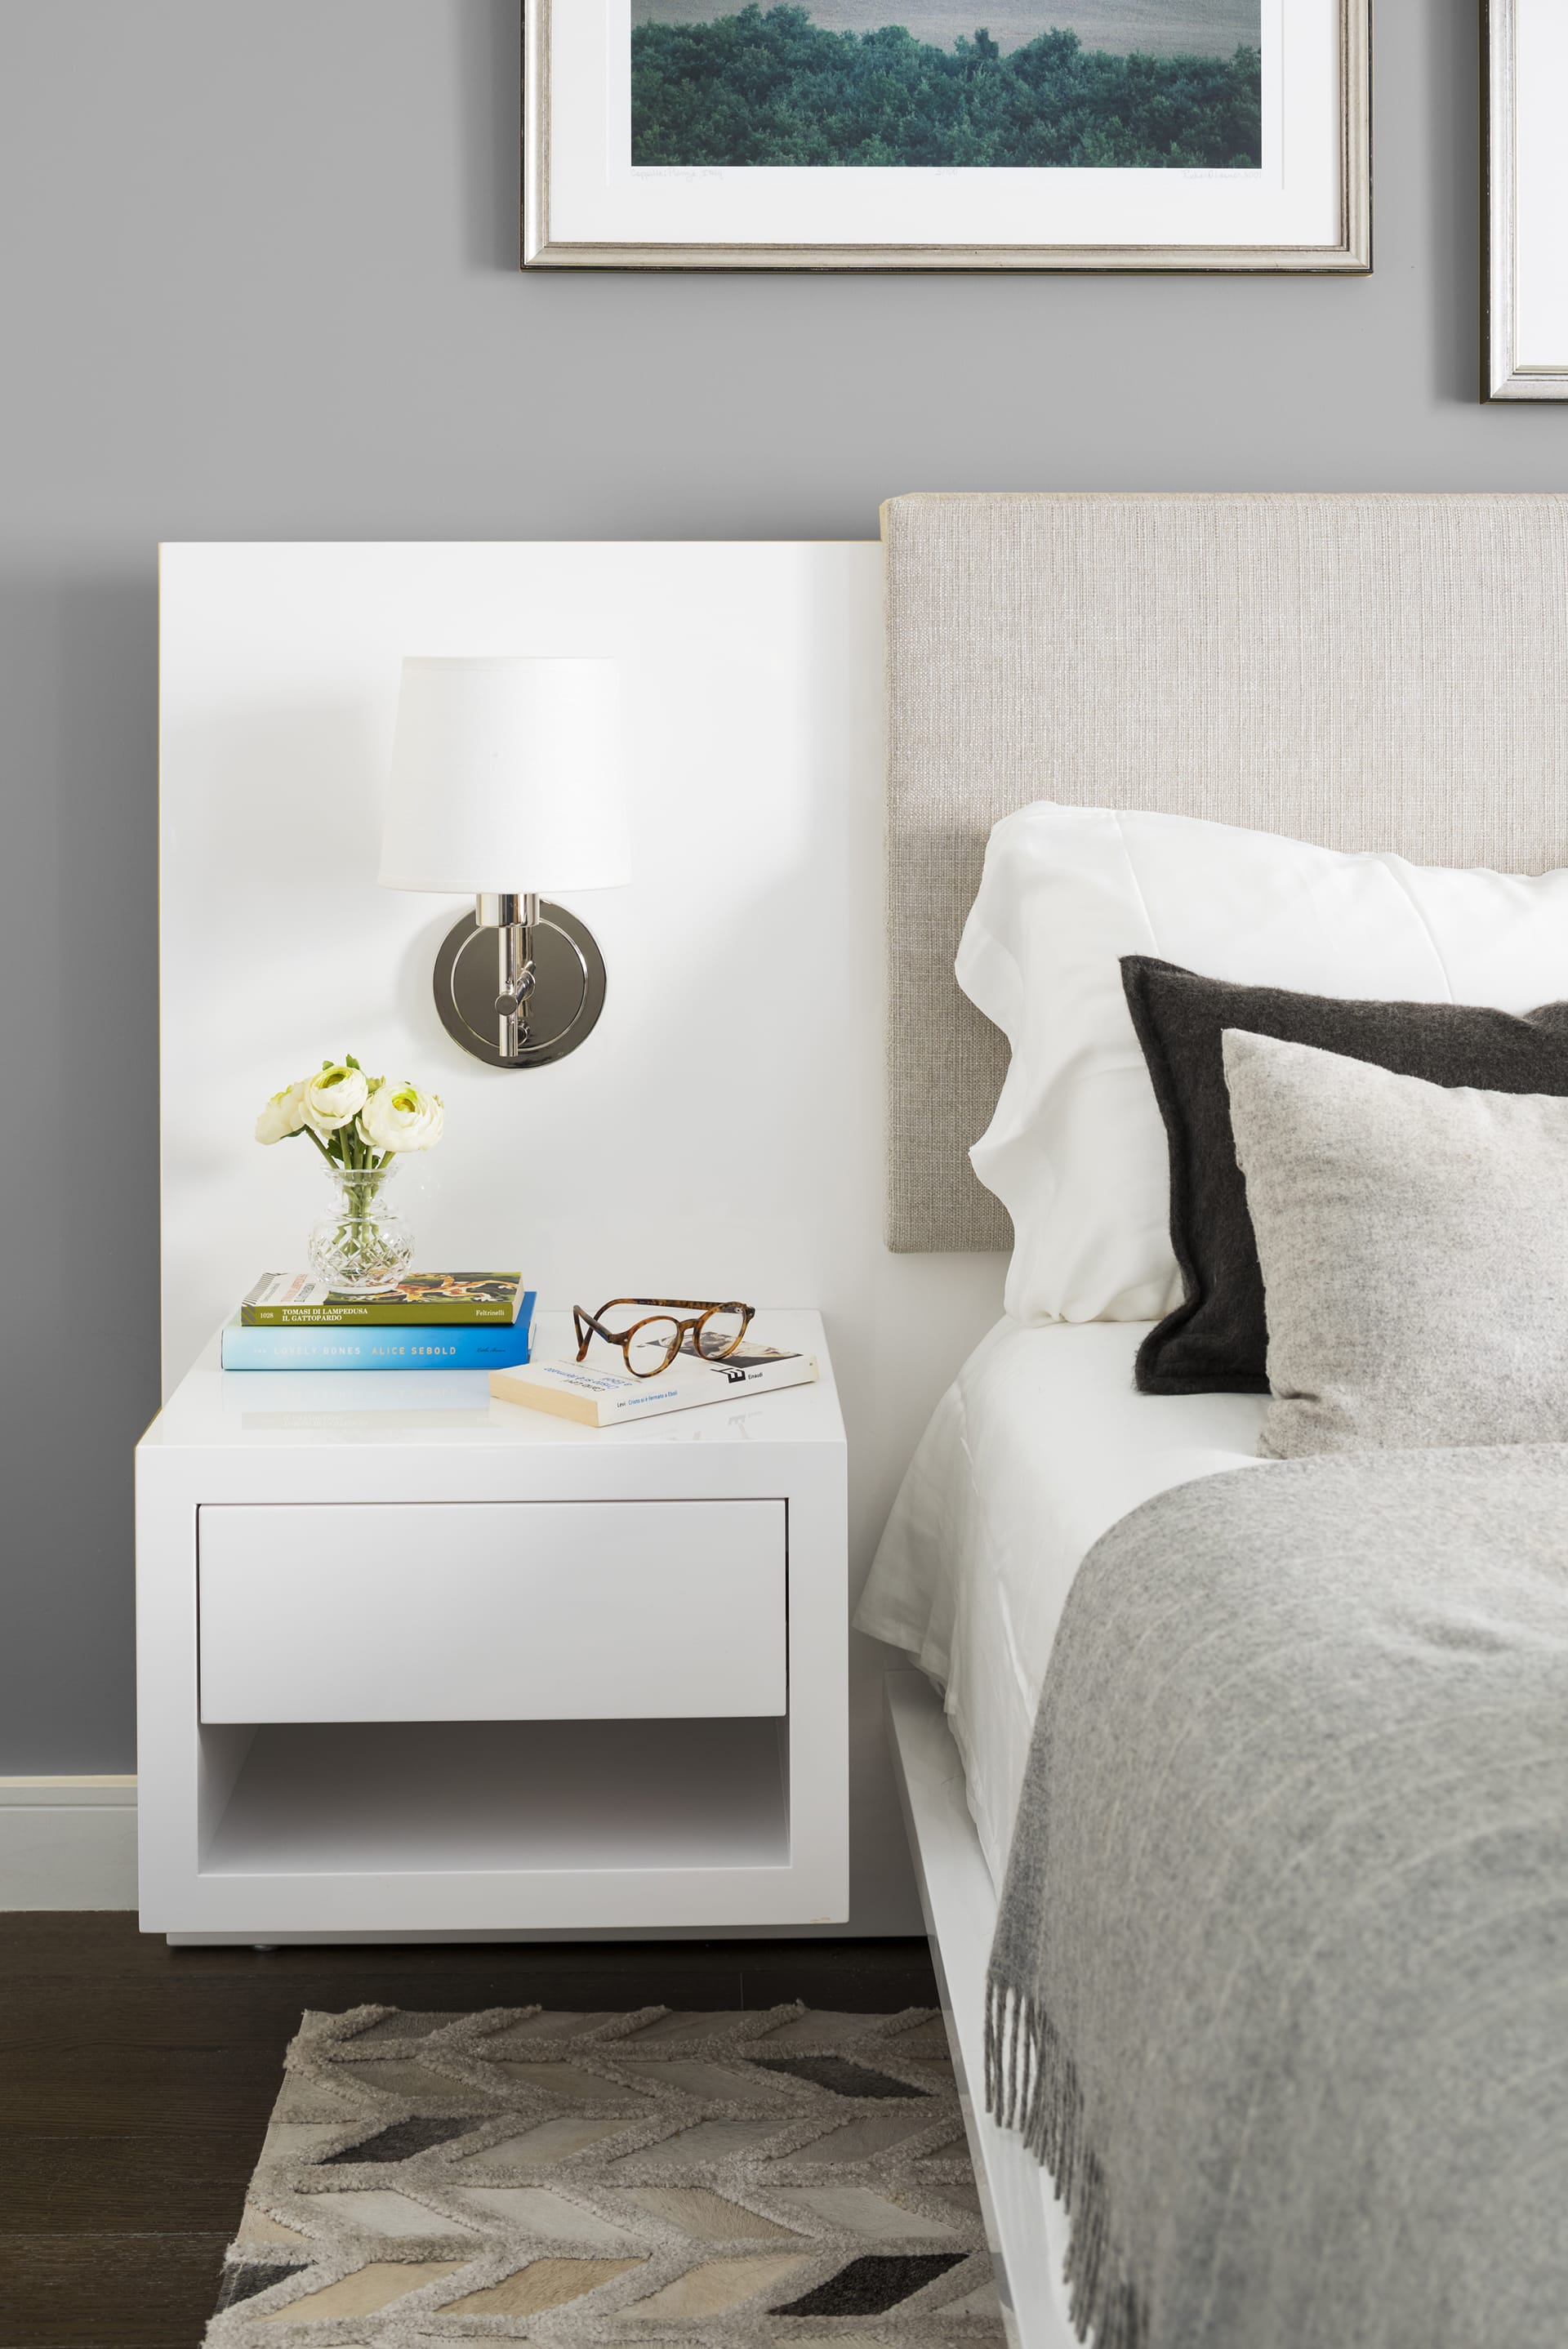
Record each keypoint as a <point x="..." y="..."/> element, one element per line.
<point x="431" y="1321"/>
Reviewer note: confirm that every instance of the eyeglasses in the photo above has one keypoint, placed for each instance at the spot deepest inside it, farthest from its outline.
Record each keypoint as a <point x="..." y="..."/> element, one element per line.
<point x="715" y="1330"/>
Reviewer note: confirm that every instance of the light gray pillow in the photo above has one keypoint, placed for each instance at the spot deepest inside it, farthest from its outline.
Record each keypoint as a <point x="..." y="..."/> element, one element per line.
<point x="1414" y="1245"/>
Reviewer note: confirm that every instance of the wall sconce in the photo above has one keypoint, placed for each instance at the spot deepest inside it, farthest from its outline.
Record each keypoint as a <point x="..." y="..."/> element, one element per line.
<point x="506" y="781"/>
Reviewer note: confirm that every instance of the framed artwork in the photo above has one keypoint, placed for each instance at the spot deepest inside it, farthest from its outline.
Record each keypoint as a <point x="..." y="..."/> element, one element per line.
<point x="1525" y="340"/>
<point x="962" y="134"/>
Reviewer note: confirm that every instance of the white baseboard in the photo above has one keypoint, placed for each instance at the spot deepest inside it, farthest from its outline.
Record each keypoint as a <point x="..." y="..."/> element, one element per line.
<point x="68" y="1842"/>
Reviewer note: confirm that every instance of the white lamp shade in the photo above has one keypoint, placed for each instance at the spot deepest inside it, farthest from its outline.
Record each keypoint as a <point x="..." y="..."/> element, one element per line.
<point x="507" y="775"/>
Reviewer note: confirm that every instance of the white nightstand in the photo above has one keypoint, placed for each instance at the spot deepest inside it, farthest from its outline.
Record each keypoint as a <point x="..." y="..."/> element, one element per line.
<point x="415" y="1663"/>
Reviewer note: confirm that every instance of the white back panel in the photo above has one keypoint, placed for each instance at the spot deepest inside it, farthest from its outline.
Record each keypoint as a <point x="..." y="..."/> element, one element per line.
<point x="721" y="1131"/>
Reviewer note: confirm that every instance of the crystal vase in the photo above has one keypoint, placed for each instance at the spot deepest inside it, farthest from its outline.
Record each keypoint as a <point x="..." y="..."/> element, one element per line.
<point x="362" y="1244"/>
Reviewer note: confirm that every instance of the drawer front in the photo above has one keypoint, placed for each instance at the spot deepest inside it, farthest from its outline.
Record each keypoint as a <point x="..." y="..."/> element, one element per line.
<point x="517" y="1610"/>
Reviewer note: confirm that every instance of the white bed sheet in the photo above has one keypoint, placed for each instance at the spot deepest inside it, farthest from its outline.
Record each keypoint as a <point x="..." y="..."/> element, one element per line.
<point x="1038" y="1446"/>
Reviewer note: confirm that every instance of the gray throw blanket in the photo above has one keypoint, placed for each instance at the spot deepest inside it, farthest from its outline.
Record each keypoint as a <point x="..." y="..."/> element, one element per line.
<point x="1279" y="1991"/>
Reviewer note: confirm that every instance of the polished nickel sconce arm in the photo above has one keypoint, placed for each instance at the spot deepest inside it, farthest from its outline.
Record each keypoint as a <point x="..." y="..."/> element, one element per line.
<point x="514" y="920"/>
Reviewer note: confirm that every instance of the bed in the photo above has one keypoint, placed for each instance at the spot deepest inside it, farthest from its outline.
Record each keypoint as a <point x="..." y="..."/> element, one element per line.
<point x="1365" y="672"/>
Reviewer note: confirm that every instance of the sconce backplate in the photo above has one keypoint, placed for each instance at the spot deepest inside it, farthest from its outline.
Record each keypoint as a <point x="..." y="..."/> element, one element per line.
<point x="563" y="1007"/>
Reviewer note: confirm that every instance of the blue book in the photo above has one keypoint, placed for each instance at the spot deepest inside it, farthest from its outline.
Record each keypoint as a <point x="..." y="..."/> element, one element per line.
<point x="360" y="1346"/>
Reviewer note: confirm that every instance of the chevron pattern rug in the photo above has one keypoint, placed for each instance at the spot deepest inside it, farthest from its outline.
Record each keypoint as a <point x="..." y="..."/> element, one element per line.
<point x="787" y="2177"/>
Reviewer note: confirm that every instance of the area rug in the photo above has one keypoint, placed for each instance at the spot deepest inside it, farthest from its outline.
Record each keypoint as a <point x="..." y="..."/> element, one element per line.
<point x="733" y="2180"/>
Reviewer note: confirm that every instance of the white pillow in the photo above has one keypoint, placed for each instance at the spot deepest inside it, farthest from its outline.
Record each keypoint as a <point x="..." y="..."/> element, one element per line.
<point x="1076" y="1150"/>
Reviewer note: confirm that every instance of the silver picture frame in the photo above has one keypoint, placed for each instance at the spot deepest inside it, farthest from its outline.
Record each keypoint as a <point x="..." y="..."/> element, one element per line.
<point x="1349" y="252"/>
<point x="1509" y="370"/>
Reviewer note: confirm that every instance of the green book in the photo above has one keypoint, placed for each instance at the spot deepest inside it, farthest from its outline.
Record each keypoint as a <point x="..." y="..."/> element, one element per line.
<point x="421" y="1299"/>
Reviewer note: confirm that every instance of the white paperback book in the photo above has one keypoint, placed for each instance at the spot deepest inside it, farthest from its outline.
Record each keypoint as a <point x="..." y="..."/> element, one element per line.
<point x="603" y="1396"/>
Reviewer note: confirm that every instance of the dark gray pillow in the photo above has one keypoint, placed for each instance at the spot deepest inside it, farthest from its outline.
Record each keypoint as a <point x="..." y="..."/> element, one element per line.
<point x="1216" y="1340"/>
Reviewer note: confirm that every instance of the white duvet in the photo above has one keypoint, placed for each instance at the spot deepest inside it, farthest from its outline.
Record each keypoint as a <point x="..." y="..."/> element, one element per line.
<point x="1040" y="1446"/>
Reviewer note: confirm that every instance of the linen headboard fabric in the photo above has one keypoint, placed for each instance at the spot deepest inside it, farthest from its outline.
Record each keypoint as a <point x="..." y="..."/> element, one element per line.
<point x="1368" y="671"/>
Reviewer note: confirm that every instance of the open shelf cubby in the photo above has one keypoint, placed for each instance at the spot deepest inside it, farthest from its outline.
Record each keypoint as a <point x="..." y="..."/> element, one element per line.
<point x="430" y="1797"/>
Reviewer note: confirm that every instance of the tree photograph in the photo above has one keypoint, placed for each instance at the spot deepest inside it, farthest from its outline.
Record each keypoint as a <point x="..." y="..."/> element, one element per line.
<point x="778" y="86"/>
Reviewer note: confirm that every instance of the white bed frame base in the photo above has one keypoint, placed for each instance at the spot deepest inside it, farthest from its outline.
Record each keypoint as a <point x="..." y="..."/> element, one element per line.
<point x="1025" y="2224"/>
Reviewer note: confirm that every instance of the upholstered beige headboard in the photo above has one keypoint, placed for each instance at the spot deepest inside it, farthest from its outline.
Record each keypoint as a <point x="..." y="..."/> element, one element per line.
<point x="1368" y="671"/>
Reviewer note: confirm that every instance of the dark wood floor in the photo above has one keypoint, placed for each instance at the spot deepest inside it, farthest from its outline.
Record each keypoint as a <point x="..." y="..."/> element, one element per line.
<point x="136" y="2081"/>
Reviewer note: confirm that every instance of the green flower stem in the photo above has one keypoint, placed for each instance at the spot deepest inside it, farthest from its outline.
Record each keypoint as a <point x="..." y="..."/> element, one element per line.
<point x="346" y="1154"/>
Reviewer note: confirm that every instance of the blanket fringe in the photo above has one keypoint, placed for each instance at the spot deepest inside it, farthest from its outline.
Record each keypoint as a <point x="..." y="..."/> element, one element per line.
<point x="1032" y="2085"/>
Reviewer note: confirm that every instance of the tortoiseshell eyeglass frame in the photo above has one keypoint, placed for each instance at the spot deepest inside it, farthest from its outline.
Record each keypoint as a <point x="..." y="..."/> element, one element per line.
<point x="590" y="1326"/>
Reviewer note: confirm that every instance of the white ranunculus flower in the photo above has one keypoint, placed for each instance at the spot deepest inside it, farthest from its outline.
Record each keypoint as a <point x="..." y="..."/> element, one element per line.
<point x="401" y="1117"/>
<point x="284" y="1114"/>
<point x="334" y="1097"/>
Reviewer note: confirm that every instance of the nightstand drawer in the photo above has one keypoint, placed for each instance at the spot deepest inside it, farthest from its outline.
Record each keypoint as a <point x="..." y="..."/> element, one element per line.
<point x="514" y="1611"/>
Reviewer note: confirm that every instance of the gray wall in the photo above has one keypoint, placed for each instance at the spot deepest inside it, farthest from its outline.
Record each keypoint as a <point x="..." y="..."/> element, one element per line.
<point x="257" y="281"/>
